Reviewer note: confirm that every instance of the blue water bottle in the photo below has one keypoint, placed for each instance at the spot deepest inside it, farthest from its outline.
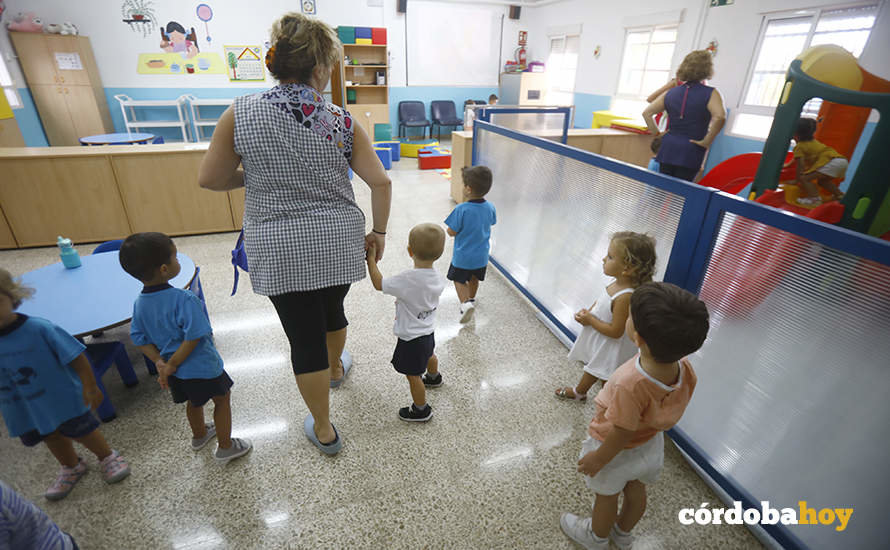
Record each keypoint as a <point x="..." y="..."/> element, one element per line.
<point x="70" y="257"/>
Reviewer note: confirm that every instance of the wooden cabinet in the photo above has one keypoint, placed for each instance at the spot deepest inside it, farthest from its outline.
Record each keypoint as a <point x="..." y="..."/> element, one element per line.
<point x="354" y="86"/>
<point x="10" y="135"/>
<point x="175" y="205"/>
<point x="64" y="81"/>
<point x="7" y="240"/>
<point x="75" y="197"/>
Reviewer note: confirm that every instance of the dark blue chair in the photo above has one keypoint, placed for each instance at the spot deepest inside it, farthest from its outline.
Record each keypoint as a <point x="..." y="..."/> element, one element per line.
<point x="443" y="113"/>
<point x="101" y="356"/>
<point x="412" y="114"/>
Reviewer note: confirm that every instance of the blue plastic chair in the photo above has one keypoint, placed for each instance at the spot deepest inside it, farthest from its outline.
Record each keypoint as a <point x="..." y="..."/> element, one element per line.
<point x="101" y="356"/>
<point x="412" y="115"/>
<point x="108" y="246"/>
<point x="443" y="113"/>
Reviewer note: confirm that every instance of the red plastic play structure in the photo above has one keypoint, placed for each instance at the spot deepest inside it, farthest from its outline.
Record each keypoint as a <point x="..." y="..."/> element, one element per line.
<point x="745" y="283"/>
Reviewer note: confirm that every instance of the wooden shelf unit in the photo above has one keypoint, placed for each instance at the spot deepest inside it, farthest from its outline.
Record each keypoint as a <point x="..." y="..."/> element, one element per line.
<point x="371" y="103"/>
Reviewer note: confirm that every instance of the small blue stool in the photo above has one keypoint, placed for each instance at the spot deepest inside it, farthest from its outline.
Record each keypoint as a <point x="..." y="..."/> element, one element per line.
<point x="385" y="156"/>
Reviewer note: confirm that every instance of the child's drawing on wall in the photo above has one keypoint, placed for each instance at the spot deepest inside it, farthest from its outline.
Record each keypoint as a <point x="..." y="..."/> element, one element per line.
<point x="175" y="39"/>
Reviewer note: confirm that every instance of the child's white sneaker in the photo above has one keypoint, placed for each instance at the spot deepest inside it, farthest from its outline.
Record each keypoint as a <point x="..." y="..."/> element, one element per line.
<point x="622" y="540"/>
<point x="466" y="311"/>
<point x="578" y="529"/>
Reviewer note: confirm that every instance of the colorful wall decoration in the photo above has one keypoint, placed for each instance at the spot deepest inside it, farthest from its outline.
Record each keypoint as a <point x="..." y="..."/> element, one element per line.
<point x="245" y="63"/>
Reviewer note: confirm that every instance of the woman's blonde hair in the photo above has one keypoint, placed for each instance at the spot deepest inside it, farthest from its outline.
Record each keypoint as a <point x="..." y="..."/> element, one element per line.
<point x="696" y="66"/>
<point x="14" y="289"/>
<point x="299" y="45"/>
<point x="637" y="253"/>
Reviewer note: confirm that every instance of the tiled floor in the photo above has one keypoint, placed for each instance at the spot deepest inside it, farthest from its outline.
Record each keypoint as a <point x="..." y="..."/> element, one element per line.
<point x="493" y="469"/>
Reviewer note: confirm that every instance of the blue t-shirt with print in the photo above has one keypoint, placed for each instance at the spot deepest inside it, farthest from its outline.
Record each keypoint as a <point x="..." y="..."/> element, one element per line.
<point x="166" y="317"/>
<point x="38" y="390"/>
<point x="472" y="221"/>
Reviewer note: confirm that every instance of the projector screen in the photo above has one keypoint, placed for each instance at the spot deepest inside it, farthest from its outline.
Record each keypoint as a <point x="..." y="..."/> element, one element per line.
<point x="452" y="44"/>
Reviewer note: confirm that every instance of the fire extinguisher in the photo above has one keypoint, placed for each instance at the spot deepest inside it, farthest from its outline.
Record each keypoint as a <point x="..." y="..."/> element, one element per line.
<point x="521" y="58"/>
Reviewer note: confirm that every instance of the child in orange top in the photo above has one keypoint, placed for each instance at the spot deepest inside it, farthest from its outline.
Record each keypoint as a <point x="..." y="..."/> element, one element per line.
<point x="645" y="396"/>
<point x="817" y="163"/>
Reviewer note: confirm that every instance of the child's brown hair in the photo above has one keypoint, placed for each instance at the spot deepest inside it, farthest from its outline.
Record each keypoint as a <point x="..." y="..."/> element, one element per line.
<point x="478" y="179"/>
<point x="672" y="321"/>
<point x="14" y="288"/>
<point x="427" y="241"/>
<point x="805" y="129"/>
<point x="638" y="254"/>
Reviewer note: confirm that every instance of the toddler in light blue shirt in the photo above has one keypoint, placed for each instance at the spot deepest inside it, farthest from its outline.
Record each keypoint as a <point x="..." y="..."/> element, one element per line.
<point x="171" y="328"/>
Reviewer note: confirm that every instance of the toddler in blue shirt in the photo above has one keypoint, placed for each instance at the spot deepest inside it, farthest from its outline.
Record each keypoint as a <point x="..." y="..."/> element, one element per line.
<point x="47" y="389"/>
<point x="470" y="224"/>
<point x="171" y="328"/>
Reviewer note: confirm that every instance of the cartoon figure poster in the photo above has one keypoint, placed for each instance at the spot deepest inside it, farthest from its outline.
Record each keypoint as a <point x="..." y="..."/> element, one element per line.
<point x="180" y="54"/>
<point x="245" y="63"/>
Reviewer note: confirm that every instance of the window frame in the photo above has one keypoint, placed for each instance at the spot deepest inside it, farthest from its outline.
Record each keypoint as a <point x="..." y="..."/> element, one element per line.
<point x="814" y="14"/>
<point x="652" y="28"/>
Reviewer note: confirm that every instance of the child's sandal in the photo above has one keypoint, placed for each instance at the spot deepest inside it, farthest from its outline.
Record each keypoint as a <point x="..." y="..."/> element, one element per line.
<point x="563" y="393"/>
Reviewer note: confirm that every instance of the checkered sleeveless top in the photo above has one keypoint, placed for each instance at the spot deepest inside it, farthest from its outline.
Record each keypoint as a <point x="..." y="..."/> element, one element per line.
<point x="302" y="227"/>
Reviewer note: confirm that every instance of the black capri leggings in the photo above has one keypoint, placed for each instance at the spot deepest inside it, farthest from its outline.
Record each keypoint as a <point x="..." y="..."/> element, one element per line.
<point x="307" y="317"/>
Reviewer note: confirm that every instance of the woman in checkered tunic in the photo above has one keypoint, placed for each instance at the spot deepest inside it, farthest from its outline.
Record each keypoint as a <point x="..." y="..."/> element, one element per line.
<point x="304" y="234"/>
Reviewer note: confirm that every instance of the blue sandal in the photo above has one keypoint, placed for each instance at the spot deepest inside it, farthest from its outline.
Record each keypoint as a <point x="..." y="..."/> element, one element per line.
<point x="331" y="448"/>
<point x="346" y="361"/>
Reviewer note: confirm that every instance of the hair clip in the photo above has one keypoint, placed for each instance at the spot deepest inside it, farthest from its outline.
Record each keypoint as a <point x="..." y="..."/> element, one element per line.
<point x="270" y="57"/>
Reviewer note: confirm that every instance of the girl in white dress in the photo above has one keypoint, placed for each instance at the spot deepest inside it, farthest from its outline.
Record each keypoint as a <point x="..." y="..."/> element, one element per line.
<point x="602" y="346"/>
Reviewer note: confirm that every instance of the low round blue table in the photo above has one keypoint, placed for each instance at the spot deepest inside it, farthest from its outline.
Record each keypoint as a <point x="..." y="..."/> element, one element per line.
<point x="96" y="296"/>
<point x="117" y="139"/>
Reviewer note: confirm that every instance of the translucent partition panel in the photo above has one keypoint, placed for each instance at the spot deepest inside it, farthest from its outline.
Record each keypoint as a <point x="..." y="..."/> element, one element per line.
<point x="555" y="218"/>
<point x="546" y="125"/>
<point x="791" y="402"/>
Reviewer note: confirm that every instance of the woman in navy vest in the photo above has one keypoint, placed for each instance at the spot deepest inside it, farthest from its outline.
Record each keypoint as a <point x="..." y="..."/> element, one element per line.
<point x="695" y="117"/>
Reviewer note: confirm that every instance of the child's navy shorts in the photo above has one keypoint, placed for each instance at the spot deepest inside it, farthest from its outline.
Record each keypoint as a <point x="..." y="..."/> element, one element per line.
<point x="460" y="275"/>
<point x="198" y="391"/>
<point x="411" y="356"/>
<point x="74" y="428"/>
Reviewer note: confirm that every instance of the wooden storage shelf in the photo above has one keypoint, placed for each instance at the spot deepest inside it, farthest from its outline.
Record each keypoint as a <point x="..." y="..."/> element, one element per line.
<point x="367" y="101"/>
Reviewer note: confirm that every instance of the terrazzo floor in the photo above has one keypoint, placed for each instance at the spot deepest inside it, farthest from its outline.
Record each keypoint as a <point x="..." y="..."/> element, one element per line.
<point x="493" y="469"/>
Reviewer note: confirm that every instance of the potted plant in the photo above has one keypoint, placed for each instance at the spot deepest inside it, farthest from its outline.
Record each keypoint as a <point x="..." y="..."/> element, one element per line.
<point x="139" y="14"/>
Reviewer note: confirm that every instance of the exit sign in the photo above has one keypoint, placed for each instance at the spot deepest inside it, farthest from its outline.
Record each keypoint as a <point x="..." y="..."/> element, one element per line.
<point x="718" y="3"/>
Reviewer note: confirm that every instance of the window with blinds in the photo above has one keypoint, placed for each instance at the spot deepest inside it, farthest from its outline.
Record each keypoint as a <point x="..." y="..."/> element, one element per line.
<point x="783" y="37"/>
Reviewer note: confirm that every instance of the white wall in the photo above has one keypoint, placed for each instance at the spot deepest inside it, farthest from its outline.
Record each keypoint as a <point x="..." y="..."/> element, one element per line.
<point x="735" y="27"/>
<point x="116" y="47"/>
<point x="603" y="23"/>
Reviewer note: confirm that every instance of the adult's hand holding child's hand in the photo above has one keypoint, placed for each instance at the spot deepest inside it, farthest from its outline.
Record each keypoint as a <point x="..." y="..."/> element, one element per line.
<point x="371" y="252"/>
<point x="378" y="240"/>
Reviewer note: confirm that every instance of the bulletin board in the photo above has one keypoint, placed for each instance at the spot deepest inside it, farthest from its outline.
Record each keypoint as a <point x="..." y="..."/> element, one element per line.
<point x="245" y="63"/>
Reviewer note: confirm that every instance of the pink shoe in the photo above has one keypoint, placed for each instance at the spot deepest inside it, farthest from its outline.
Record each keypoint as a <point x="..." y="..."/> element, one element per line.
<point x="114" y="468"/>
<point x="66" y="480"/>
